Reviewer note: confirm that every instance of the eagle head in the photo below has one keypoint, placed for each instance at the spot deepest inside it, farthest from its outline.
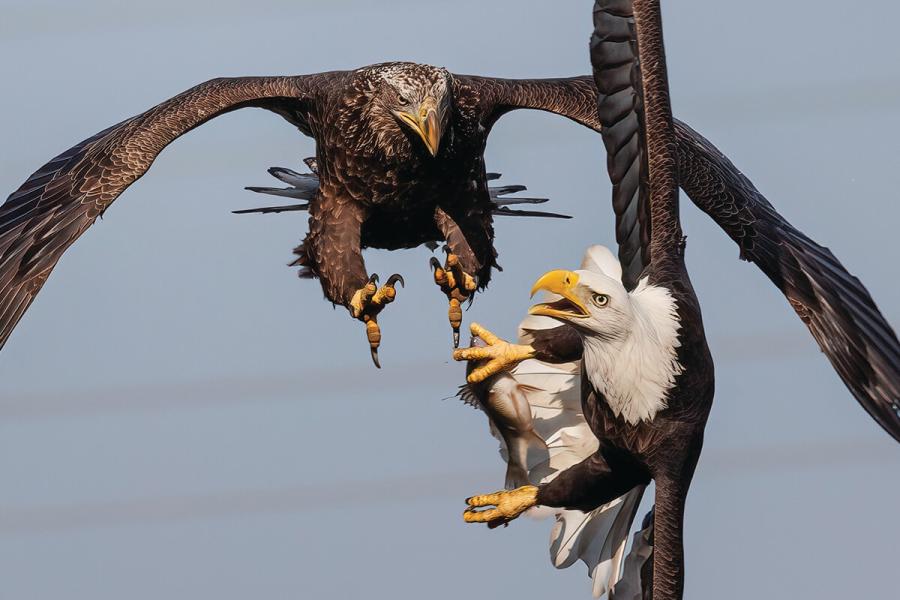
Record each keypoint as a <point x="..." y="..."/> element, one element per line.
<point x="591" y="301"/>
<point x="630" y="338"/>
<point x="410" y="104"/>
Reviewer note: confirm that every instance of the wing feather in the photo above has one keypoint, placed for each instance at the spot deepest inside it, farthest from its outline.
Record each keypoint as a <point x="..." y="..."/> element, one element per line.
<point x="54" y="206"/>
<point x="835" y="306"/>
<point x="838" y="310"/>
<point x="614" y="56"/>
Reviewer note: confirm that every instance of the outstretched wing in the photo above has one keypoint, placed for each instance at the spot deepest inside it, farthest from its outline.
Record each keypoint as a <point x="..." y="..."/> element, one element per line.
<point x="838" y="310"/>
<point x="41" y="219"/>
<point x="492" y="97"/>
<point x="629" y="63"/>
<point x="615" y="60"/>
<point x="834" y="304"/>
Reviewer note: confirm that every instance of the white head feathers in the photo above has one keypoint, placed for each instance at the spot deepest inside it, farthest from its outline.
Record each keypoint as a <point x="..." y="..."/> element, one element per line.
<point x="631" y="342"/>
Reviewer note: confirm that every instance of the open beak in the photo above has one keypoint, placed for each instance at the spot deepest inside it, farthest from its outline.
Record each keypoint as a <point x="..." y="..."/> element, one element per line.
<point x="561" y="283"/>
<point x="425" y="121"/>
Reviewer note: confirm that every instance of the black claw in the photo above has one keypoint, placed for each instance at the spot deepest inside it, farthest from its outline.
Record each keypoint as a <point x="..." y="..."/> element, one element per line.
<point x="435" y="264"/>
<point x="394" y="279"/>
<point x="374" y="279"/>
<point x="375" y="357"/>
<point x="446" y="250"/>
<point x="456" y="338"/>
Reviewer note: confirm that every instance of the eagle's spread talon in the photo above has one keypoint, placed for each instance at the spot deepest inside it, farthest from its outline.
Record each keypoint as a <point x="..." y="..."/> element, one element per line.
<point x="499" y="355"/>
<point x="500" y="508"/>
<point x="457" y="285"/>
<point x="368" y="301"/>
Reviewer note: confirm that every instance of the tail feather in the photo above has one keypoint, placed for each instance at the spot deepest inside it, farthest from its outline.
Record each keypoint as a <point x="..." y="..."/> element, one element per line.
<point x="637" y="574"/>
<point x="512" y="201"/>
<point x="291" y="177"/>
<point x="597" y="538"/>
<point x="298" y="193"/>
<point x="503" y="211"/>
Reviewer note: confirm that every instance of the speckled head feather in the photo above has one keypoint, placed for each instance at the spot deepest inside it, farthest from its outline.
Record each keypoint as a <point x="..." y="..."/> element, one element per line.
<point x="400" y="86"/>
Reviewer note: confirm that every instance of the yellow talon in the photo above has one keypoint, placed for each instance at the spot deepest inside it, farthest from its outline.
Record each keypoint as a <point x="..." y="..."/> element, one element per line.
<point x="507" y="505"/>
<point x="373" y="333"/>
<point x="499" y="355"/>
<point x="361" y="298"/>
<point x="367" y="302"/>
<point x="457" y="285"/>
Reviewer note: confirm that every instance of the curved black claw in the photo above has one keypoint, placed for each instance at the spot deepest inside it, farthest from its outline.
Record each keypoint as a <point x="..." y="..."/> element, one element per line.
<point x="375" y="358"/>
<point x="394" y="279"/>
<point x="373" y="279"/>
<point x="435" y="264"/>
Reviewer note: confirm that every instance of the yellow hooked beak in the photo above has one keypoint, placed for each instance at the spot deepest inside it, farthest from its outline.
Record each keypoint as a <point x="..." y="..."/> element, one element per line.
<point x="425" y="121"/>
<point x="563" y="284"/>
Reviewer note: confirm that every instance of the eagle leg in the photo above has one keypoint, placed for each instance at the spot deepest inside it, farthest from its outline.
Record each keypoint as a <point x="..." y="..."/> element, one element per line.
<point x="457" y="285"/>
<point x="367" y="302"/>
<point x="507" y="504"/>
<point x="499" y="355"/>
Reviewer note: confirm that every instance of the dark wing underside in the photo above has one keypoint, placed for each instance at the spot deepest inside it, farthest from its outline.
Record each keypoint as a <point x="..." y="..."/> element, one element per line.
<point x="41" y="219"/>
<point x="836" y="307"/>
<point x="838" y="310"/>
<point x="572" y="97"/>
<point x="614" y="56"/>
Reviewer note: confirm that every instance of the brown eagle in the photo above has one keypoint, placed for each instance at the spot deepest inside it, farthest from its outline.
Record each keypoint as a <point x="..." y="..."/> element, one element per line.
<point x="399" y="160"/>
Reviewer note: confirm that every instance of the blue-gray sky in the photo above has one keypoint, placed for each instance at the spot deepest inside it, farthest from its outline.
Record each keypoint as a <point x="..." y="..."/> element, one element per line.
<point x="180" y="416"/>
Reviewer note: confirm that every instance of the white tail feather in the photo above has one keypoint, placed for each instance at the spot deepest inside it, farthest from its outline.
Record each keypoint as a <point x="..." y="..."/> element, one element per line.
<point x="629" y="586"/>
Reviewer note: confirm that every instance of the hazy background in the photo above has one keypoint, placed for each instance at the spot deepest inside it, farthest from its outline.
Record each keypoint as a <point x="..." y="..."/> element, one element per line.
<point x="181" y="417"/>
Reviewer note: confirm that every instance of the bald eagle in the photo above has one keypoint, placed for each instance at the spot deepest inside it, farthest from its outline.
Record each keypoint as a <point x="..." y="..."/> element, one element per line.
<point x="647" y="374"/>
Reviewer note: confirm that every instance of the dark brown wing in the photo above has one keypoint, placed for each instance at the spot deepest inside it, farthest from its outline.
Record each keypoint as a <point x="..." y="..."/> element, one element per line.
<point x="836" y="307"/>
<point x="634" y="111"/>
<point x="614" y="57"/>
<point x="41" y="219"/>
<point x="838" y="310"/>
<point x="491" y="97"/>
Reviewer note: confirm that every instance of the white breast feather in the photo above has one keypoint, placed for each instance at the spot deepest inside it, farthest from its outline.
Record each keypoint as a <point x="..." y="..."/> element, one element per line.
<point x="636" y="373"/>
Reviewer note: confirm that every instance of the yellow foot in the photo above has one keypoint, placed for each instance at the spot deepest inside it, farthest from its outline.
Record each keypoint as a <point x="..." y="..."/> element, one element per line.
<point x="498" y="355"/>
<point x="507" y="505"/>
<point x="370" y="300"/>
<point x="457" y="285"/>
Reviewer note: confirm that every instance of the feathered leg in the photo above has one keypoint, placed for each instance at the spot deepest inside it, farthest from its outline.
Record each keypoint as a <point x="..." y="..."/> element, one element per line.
<point x="596" y="480"/>
<point x="457" y="277"/>
<point x="585" y="486"/>
<point x="332" y="252"/>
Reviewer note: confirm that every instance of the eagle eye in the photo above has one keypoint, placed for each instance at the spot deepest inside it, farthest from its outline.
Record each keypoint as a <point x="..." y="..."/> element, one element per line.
<point x="404" y="101"/>
<point x="600" y="300"/>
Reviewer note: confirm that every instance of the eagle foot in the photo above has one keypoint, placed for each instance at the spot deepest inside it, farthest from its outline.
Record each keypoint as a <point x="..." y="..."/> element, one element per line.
<point x="507" y="504"/>
<point x="367" y="302"/>
<point x="499" y="355"/>
<point x="457" y="285"/>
